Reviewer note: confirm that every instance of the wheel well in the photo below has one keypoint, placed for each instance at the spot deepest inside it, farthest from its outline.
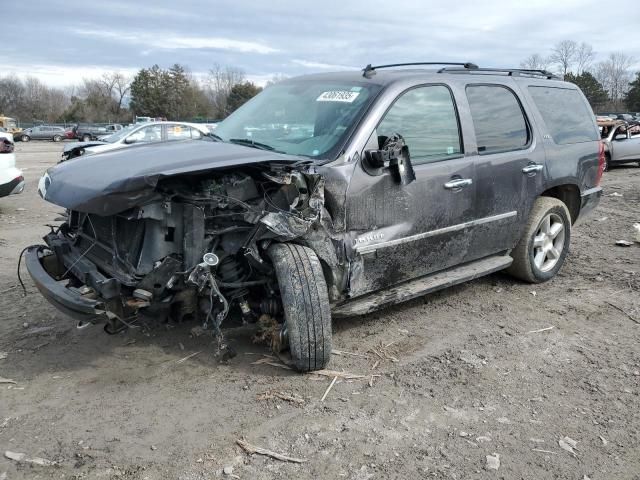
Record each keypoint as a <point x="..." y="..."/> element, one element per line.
<point x="569" y="195"/>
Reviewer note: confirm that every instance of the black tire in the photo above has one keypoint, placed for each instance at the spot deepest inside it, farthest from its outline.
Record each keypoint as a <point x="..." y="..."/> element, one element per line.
<point x="526" y="256"/>
<point x="86" y="137"/>
<point x="57" y="138"/>
<point x="306" y="304"/>
<point x="25" y="138"/>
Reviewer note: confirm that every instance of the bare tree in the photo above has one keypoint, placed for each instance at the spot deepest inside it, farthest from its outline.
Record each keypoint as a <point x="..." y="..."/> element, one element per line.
<point x="614" y="75"/>
<point x="120" y="87"/>
<point x="564" y="54"/>
<point x="277" y="78"/>
<point x="219" y="83"/>
<point x="535" y="61"/>
<point x="584" y="57"/>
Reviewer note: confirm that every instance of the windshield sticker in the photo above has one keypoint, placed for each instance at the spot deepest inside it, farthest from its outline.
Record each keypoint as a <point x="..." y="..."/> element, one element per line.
<point x="338" y="96"/>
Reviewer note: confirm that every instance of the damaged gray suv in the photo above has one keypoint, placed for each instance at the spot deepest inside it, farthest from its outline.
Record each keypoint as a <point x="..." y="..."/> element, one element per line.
<point x="326" y="196"/>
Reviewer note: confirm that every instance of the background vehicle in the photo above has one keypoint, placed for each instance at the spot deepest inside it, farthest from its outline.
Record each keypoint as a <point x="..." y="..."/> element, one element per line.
<point x="86" y="133"/>
<point x="393" y="184"/>
<point x="622" y="144"/>
<point x="152" y="132"/>
<point x="11" y="179"/>
<point x="42" y="132"/>
<point x="9" y="124"/>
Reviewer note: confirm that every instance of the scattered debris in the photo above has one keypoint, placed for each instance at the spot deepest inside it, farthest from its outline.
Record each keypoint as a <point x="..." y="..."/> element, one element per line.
<point x="371" y="379"/>
<point x="542" y="329"/>
<point x="228" y="470"/>
<point x="7" y="380"/>
<point x="614" y="194"/>
<point x="348" y="354"/>
<point x="383" y="352"/>
<point x="329" y="388"/>
<point x="3" y="355"/>
<point x="605" y="442"/>
<point x="153" y="447"/>
<point x="463" y="434"/>
<point x="483" y="438"/>
<point x="268" y="332"/>
<point x="252" y="449"/>
<point x="22" y="458"/>
<point x="493" y="462"/>
<point x="268" y="395"/>
<point x="182" y="360"/>
<point x="602" y="219"/>
<point x="624" y="243"/>
<point x="533" y="292"/>
<point x="568" y="444"/>
<point x="636" y="227"/>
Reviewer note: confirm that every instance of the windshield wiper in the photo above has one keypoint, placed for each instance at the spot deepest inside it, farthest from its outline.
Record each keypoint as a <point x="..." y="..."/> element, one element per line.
<point x="215" y="137"/>
<point x="252" y="143"/>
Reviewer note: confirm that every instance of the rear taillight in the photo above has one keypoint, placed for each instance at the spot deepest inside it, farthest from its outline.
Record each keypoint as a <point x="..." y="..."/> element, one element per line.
<point x="6" y="146"/>
<point x="601" y="162"/>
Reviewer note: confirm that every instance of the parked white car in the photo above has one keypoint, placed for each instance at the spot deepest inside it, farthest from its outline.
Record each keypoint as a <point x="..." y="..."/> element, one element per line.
<point x="11" y="179"/>
<point x="150" y="132"/>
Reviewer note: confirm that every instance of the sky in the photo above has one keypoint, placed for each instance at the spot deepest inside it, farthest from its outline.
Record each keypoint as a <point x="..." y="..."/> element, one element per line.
<point x="60" y="41"/>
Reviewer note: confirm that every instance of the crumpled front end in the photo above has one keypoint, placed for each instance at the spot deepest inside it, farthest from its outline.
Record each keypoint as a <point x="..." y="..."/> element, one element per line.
<point x="196" y="251"/>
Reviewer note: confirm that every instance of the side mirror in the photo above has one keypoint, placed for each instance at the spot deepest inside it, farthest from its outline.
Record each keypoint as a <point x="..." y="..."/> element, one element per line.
<point x="621" y="136"/>
<point x="130" y="140"/>
<point x="393" y="157"/>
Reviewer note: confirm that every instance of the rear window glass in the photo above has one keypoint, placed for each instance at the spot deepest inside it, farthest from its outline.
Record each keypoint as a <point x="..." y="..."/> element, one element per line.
<point x="498" y="120"/>
<point x="568" y="117"/>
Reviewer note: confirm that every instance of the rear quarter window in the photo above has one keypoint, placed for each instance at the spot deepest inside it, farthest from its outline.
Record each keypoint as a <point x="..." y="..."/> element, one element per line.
<point x="566" y="114"/>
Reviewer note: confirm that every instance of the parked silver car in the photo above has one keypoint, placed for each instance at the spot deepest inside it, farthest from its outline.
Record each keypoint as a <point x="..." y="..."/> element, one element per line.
<point x="151" y="132"/>
<point x="42" y="132"/>
<point x="622" y="144"/>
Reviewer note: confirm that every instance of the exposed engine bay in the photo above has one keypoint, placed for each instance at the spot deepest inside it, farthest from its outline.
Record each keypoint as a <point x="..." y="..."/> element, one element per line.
<point x="197" y="253"/>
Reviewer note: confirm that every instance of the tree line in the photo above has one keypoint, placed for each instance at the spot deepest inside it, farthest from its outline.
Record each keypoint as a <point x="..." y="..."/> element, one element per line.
<point x="608" y="83"/>
<point x="171" y="93"/>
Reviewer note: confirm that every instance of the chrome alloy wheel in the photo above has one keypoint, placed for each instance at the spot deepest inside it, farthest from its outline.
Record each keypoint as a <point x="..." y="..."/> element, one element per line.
<point x="548" y="242"/>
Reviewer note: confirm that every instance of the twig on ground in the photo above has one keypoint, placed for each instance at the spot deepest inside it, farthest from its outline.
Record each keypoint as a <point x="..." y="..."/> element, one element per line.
<point x="349" y="354"/>
<point x="182" y="360"/>
<point x="7" y="380"/>
<point x="282" y="396"/>
<point x="326" y="392"/>
<point x="375" y="365"/>
<point x="623" y="311"/>
<point x="251" y="449"/>
<point x="371" y="379"/>
<point x="543" y="451"/>
<point x="335" y="373"/>
<point x="270" y="361"/>
<point x="542" y="329"/>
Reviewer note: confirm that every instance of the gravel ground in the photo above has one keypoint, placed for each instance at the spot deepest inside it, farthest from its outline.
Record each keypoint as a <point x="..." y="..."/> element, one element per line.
<point x="492" y="368"/>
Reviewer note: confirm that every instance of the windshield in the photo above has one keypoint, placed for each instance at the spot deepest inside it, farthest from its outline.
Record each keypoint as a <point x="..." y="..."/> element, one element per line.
<point x="120" y="134"/>
<point x="311" y="118"/>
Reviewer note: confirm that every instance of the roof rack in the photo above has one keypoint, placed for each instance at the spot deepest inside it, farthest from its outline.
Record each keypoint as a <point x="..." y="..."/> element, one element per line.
<point x="512" y="72"/>
<point x="369" y="71"/>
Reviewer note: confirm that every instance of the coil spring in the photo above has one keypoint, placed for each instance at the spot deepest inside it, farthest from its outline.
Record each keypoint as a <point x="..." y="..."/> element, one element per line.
<point x="231" y="271"/>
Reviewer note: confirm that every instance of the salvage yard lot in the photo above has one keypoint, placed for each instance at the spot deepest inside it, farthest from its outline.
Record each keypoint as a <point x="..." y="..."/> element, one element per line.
<point x="492" y="367"/>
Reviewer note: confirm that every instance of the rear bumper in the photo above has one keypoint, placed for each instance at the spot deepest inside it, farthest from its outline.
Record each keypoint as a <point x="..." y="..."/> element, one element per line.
<point x="589" y="200"/>
<point x="13" y="187"/>
<point x="64" y="299"/>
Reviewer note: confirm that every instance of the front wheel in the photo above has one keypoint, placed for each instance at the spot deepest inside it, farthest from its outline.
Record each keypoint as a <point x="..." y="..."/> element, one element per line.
<point x="545" y="243"/>
<point x="306" y="305"/>
<point x="57" y="138"/>
<point x="25" y="138"/>
<point x="86" y="138"/>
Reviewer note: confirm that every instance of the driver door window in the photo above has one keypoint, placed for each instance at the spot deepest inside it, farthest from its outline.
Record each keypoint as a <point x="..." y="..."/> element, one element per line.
<point x="152" y="133"/>
<point x="427" y="119"/>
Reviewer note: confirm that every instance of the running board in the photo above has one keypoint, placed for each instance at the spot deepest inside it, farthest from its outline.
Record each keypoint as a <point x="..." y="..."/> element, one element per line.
<point x="421" y="286"/>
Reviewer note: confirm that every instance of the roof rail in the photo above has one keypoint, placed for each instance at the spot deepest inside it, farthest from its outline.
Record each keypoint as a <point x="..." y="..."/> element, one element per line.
<point x="512" y="72"/>
<point x="369" y="71"/>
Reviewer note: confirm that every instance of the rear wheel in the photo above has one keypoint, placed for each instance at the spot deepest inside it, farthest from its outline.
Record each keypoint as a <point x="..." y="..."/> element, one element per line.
<point x="25" y="138"/>
<point x="606" y="162"/>
<point x="57" y="138"/>
<point x="306" y="305"/>
<point x="86" y="137"/>
<point x="545" y="243"/>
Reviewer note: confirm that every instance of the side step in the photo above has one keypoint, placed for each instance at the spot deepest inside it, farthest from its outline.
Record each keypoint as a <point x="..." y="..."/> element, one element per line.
<point x="421" y="286"/>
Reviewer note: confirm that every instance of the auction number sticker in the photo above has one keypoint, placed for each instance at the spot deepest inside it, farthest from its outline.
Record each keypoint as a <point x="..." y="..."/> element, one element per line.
<point x="338" y="96"/>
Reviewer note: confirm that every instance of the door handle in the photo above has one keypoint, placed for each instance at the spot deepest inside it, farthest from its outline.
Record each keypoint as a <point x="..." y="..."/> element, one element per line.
<point x="458" y="183"/>
<point x="532" y="168"/>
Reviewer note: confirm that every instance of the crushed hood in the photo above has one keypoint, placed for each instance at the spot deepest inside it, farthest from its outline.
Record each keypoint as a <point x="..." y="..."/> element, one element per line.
<point x="72" y="146"/>
<point x="111" y="182"/>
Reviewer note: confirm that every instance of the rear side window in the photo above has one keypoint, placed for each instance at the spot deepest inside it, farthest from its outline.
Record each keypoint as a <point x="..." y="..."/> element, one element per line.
<point x="566" y="114"/>
<point x="427" y="120"/>
<point x="498" y="120"/>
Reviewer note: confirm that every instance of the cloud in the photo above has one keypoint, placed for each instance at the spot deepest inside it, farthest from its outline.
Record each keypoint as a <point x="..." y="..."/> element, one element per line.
<point x="167" y="41"/>
<point x="322" y="66"/>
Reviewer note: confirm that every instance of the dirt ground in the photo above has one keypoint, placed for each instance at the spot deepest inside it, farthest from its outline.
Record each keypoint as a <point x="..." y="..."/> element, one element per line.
<point x="492" y="367"/>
